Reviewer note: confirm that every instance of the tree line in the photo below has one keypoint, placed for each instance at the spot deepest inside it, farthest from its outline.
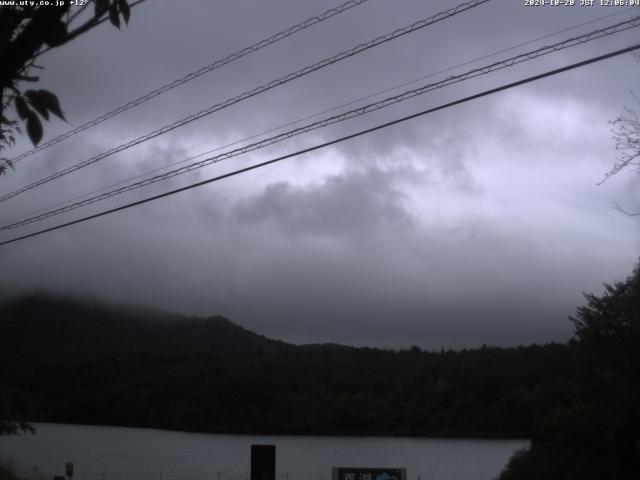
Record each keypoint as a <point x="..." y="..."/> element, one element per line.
<point x="578" y="402"/>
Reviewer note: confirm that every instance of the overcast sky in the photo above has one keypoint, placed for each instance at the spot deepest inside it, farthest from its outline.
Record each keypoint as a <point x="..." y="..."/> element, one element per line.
<point x="482" y="223"/>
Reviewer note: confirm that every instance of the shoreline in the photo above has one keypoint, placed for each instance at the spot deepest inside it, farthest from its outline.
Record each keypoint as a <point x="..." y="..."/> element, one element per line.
<point x="286" y="434"/>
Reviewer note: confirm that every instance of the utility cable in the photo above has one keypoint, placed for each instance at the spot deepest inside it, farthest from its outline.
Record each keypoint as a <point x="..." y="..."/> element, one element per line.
<point x="263" y="88"/>
<point x="596" y="34"/>
<point x="317" y="114"/>
<point x="332" y="142"/>
<point x="193" y="75"/>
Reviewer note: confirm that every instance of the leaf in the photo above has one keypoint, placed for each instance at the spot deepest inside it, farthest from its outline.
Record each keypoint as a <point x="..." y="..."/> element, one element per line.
<point x="125" y="10"/>
<point x="37" y="103"/>
<point x="21" y="108"/>
<point x="46" y="100"/>
<point x="101" y="6"/>
<point x="4" y="162"/>
<point x="34" y="128"/>
<point x="56" y="33"/>
<point x="113" y="15"/>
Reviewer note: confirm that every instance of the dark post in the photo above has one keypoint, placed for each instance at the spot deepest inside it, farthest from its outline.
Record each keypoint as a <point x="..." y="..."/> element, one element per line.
<point x="263" y="462"/>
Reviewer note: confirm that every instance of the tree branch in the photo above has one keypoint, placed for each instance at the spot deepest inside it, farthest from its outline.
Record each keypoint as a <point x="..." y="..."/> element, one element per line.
<point x="617" y="207"/>
<point x="101" y="20"/>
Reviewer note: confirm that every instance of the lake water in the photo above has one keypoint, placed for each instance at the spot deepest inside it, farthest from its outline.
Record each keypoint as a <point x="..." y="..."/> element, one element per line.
<point x="115" y="453"/>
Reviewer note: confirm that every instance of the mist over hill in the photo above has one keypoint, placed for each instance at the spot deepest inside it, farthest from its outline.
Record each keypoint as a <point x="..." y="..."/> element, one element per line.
<point x="87" y="361"/>
<point x="47" y="327"/>
<point x="78" y="361"/>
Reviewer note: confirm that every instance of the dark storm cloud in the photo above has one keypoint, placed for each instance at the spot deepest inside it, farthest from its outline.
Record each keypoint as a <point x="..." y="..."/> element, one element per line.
<point x="341" y="205"/>
<point x="478" y="224"/>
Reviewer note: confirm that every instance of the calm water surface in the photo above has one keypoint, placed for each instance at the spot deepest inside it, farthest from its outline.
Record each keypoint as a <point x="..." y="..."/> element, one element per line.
<point x="115" y="453"/>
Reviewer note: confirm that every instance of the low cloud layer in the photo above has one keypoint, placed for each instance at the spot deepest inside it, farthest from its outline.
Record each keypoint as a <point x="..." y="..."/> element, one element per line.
<point x="480" y="224"/>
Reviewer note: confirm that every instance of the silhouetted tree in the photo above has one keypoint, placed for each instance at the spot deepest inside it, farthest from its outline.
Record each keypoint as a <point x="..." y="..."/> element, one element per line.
<point x="16" y="409"/>
<point x="27" y="32"/>
<point x="592" y="429"/>
<point x="626" y="133"/>
<point x="609" y="325"/>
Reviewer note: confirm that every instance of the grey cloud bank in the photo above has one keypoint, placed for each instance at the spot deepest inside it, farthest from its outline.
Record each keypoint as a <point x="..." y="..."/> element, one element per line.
<point x="479" y="224"/>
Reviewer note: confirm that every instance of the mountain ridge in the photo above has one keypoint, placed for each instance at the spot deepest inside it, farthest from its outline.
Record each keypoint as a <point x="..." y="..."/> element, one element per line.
<point x="43" y="326"/>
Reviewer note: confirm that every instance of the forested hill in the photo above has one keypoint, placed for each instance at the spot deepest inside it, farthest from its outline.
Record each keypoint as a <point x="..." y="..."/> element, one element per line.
<point x="90" y="362"/>
<point x="47" y="327"/>
<point x="87" y="362"/>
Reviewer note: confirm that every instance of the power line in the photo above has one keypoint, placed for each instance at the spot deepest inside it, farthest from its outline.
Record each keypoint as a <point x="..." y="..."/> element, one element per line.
<point x="193" y="75"/>
<point x="332" y="142"/>
<point x="308" y="117"/>
<point x="594" y="35"/>
<point x="248" y="94"/>
<point x="338" y="118"/>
